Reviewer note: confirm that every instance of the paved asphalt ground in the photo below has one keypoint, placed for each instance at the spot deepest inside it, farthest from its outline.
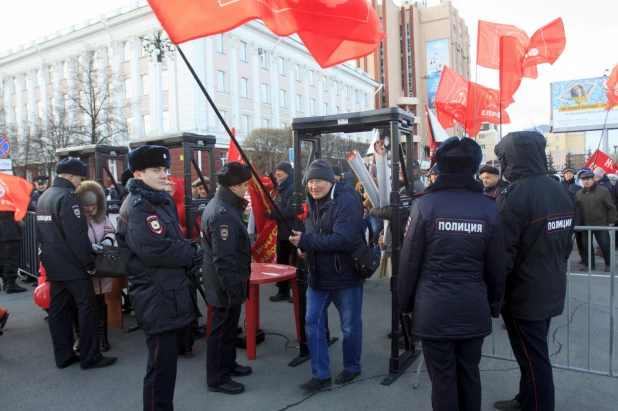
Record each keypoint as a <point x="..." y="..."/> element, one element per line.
<point x="29" y="379"/>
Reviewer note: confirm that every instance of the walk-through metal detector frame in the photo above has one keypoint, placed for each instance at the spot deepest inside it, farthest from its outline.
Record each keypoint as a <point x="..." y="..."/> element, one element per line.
<point x="311" y="129"/>
<point x="101" y="154"/>
<point x="190" y="143"/>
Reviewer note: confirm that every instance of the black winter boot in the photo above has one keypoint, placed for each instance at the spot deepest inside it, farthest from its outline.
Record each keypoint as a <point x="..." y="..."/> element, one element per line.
<point x="103" y="323"/>
<point x="11" y="287"/>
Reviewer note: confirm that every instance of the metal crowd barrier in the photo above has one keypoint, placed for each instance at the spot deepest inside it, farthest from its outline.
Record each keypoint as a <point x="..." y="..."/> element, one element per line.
<point x="567" y="339"/>
<point x="28" y="247"/>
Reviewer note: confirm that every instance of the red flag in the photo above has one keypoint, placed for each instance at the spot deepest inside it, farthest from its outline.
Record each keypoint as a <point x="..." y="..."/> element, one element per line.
<point x="483" y="107"/>
<point x="612" y="89"/>
<point x="334" y="31"/>
<point x="488" y="45"/>
<point x="436" y="134"/>
<point x="546" y="44"/>
<point x="451" y="98"/>
<point x="511" y="70"/>
<point x="14" y="195"/>
<point x="600" y="159"/>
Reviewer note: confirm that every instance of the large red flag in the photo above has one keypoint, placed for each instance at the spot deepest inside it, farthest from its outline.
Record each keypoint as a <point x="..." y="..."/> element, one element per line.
<point x="546" y="44"/>
<point x="488" y="45"/>
<point x="511" y="70"/>
<point x="334" y="31"/>
<point x="612" y="89"/>
<point x="600" y="159"/>
<point x="484" y="107"/>
<point x="14" y="195"/>
<point x="451" y="98"/>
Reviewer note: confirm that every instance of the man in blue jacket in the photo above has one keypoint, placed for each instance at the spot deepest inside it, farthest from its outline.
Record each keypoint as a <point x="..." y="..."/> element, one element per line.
<point x="332" y="232"/>
<point x="451" y="274"/>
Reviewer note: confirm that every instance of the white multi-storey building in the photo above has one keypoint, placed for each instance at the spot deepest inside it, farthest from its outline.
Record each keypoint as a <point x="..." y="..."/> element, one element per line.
<point x="255" y="78"/>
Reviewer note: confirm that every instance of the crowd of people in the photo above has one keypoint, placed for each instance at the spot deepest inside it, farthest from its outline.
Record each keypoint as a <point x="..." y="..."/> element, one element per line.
<point x="479" y="242"/>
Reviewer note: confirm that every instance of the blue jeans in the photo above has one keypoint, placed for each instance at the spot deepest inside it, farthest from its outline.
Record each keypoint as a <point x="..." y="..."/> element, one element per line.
<point x="349" y="303"/>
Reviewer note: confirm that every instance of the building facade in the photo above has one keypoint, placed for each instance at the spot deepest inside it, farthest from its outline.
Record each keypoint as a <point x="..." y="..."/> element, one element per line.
<point x="563" y="145"/>
<point x="255" y="78"/>
<point x="421" y="38"/>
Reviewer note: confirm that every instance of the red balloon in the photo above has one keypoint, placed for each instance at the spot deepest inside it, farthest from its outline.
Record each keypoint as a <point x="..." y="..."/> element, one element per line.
<point x="42" y="296"/>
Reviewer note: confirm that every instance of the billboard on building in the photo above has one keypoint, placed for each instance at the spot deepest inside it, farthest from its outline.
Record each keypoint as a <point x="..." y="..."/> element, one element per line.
<point x="437" y="53"/>
<point x="579" y="105"/>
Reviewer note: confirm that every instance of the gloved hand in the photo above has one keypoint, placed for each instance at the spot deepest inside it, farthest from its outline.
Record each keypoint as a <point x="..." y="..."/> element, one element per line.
<point x="385" y="213"/>
<point x="236" y="295"/>
<point x="97" y="249"/>
<point x="107" y="241"/>
<point x="269" y="215"/>
<point x="198" y="257"/>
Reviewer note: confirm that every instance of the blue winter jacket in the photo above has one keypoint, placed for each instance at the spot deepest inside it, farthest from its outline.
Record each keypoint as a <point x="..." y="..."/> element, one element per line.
<point x="332" y="232"/>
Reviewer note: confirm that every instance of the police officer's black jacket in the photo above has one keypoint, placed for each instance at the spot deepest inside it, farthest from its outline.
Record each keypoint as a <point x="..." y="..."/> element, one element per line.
<point x="538" y="217"/>
<point x="157" y="258"/>
<point x="9" y="229"/>
<point x="63" y="233"/>
<point x="285" y="202"/>
<point x="451" y="271"/>
<point x="34" y="198"/>
<point x="227" y="249"/>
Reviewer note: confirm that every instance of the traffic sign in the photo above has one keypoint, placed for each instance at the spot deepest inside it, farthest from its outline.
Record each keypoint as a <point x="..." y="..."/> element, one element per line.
<point x="5" y="147"/>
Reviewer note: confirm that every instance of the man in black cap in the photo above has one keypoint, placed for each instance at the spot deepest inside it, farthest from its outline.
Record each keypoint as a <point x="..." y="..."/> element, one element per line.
<point x="40" y="185"/>
<point x="159" y="261"/>
<point x="227" y="268"/>
<point x="493" y="185"/>
<point x="569" y="177"/>
<point x="286" y="254"/>
<point x="538" y="218"/>
<point x="451" y="274"/>
<point x="69" y="262"/>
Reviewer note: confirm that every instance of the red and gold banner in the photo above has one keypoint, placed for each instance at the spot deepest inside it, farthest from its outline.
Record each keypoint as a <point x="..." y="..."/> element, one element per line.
<point x="15" y="195"/>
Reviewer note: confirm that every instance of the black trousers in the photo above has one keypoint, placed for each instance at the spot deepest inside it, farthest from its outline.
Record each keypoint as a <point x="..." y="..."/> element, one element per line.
<point x="602" y="238"/>
<point x="286" y="254"/>
<point x="65" y="295"/>
<point x="160" y="379"/>
<point x="529" y="344"/>
<point x="221" y="352"/>
<point x="453" y="367"/>
<point x="9" y="260"/>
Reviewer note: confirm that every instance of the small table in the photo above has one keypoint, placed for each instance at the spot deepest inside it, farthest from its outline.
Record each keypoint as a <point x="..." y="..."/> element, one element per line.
<point x="262" y="273"/>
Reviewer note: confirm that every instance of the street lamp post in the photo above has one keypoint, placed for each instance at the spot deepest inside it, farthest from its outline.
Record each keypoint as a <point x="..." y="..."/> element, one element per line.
<point x="159" y="48"/>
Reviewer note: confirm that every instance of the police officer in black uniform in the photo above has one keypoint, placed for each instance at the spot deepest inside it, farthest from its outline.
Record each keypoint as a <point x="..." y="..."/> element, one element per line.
<point x="40" y="185"/>
<point x="68" y="258"/>
<point x="451" y="274"/>
<point x="227" y="267"/>
<point x="159" y="261"/>
<point x="538" y="216"/>
<point x="10" y="235"/>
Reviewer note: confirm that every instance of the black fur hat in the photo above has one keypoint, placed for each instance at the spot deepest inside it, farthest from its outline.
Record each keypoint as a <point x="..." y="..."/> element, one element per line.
<point x="125" y="177"/>
<point x="458" y="156"/>
<point x="149" y="156"/>
<point x="72" y="165"/>
<point x="234" y="173"/>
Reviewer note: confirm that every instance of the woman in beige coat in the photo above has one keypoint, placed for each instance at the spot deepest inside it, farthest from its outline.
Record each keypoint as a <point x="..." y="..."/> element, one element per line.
<point x="100" y="232"/>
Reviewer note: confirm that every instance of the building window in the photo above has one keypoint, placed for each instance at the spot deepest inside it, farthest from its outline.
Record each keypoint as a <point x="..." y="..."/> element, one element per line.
<point x="366" y="98"/>
<point x="39" y="109"/>
<point x="346" y="91"/>
<point x="221" y="81"/>
<point x="164" y="86"/>
<point x="356" y="97"/>
<point x="244" y="87"/>
<point x="127" y="88"/>
<point x="50" y="73"/>
<point x="325" y="109"/>
<point x="246" y="124"/>
<point x="166" y="121"/>
<point x="299" y="103"/>
<point x="37" y="76"/>
<point x="145" y="85"/>
<point x="284" y="125"/>
<point x="312" y="107"/>
<point x="324" y="83"/>
<point x="282" y="101"/>
<point x="146" y="122"/>
<point x="336" y="88"/>
<point x="142" y="50"/>
<point x="129" y="121"/>
<point x="266" y="123"/>
<point x="224" y="115"/>
<point x="263" y="60"/>
<point x="336" y="109"/>
<point x="265" y="93"/>
<point x="243" y="51"/>
<point x="311" y="78"/>
<point x="281" y="66"/>
<point x="52" y="106"/>
<point x="223" y="158"/>
<point x="65" y="70"/>
<point x="297" y="72"/>
<point x="220" y="44"/>
<point x="110" y="56"/>
<point x="127" y="50"/>
<point x="65" y="99"/>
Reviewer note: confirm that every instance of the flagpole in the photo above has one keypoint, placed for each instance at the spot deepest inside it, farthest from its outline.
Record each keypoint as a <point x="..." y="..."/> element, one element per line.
<point x="596" y="155"/>
<point x="233" y="138"/>
<point x="476" y="85"/>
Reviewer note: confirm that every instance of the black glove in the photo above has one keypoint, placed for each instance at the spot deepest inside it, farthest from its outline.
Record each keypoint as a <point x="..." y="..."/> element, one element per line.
<point x="385" y="213"/>
<point x="236" y="295"/>
<point x="198" y="258"/>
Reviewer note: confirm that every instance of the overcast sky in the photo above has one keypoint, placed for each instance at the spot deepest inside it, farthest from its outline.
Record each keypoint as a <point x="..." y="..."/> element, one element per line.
<point x="590" y="26"/>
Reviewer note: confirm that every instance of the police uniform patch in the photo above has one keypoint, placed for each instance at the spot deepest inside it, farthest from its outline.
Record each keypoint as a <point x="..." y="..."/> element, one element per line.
<point x="454" y="226"/>
<point x="224" y="232"/>
<point x="76" y="212"/>
<point x="559" y="223"/>
<point x="154" y="224"/>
